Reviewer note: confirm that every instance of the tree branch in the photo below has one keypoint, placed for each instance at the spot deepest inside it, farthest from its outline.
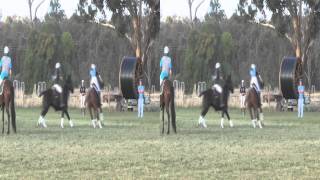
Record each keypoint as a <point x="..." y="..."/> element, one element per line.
<point x="111" y="26"/>
<point x="36" y="10"/>
<point x="270" y="26"/>
<point x="196" y="10"/>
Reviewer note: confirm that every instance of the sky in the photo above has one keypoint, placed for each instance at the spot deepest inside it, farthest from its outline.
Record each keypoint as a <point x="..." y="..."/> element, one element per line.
<point x="168" y="7"/>
<point x="20" y="7"/>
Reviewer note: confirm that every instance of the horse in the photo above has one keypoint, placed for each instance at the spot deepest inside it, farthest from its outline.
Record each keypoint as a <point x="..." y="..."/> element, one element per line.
<point x="211" y="98"/>
<point x="94" y="106"/>
<point x="50" y="99"/>
<point x="7" y="103"/>
<point x="167" y="104"/>
<point x="253" y="106"/>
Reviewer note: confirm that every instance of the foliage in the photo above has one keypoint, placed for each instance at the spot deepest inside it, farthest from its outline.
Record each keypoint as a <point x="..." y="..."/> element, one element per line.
<point x="55" y="13"/>
<point x="40" y="52"/>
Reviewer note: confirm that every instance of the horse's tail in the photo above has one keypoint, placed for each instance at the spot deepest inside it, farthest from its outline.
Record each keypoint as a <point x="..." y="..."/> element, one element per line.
<point x="13" y="111"/>
<point x="173" y="111"/>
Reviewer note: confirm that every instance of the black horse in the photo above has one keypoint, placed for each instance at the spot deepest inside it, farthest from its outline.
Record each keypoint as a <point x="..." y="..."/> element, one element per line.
<point x="51" y="98"/>
<point x="212" y="98"/>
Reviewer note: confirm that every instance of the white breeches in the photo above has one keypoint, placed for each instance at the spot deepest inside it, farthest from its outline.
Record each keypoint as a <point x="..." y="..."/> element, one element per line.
<point x="94" y="81"/>
<point x="254" y="80"/>
<point x="82" y="99"/>
<point x="242" y="99"/>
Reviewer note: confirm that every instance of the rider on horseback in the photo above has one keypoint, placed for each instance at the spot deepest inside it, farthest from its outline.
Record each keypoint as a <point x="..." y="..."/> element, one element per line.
<point x="5" y="65"/>
<point x="166" y="67"/>
<point x="57" y="83"/>
<point x="94" y="83"/>
<point x="254" y="81"/>
<point x="218" y="83"/>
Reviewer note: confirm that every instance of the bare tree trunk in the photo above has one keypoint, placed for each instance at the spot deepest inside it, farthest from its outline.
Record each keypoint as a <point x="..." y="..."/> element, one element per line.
<point x="30" y="2"/>
<point x="190" y="2"/>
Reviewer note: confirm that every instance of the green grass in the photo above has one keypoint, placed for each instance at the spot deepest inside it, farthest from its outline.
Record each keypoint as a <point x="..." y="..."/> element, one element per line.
<point x="128" y="148"/>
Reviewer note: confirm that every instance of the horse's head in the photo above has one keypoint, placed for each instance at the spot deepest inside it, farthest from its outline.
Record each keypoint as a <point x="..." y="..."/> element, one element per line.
<point x="69" y="84"/>
<point x="229" y="84"/>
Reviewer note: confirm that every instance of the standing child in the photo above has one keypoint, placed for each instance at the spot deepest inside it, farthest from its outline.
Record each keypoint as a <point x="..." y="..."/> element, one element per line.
<point x="301" y="99"/>
<point x="242" y="94"/>
<point x="82" y="96"/>
<point x="141" y="99"/>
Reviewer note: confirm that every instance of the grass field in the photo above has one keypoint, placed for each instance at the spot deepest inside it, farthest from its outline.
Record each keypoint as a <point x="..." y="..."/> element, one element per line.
<point x="128" y="148"/>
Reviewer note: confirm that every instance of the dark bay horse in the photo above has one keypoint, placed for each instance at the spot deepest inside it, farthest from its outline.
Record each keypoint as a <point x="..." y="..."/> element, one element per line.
<point x="50" y="99"/>
<point x="167" y="104"/>
<point x="93" y="103"/>
<point x="254" y="108"/>
<point x="7" y="103"/>
<point x="211" y="98"/>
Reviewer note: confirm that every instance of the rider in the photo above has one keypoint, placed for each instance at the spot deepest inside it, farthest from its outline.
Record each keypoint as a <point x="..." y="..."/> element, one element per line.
<point x="57" y="80"/>
<point x="94" y="83"/>
<point x="166" y="67"/>
<point x="254" y="81"/>
<point x="5" y="65"/>
<point x="218" y="82"/>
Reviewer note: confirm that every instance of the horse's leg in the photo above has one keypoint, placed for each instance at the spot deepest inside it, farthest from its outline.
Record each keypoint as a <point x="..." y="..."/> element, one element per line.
<point x="162" y="109"/>
<point x="222" y="119"/>
<point x="168" y="114"/>
<point x="258" y="118"/>
<point x="41" y="120"/>
<point x="252" y="117"/>
<point x="101" y="114"/>
<point x="228" y="116"/>
<point x="92" y="120"/>
<point x="98" y="117"/>
<point x="62" y="119"/>
<point x="261" y="116"/>
<point x="69" y="119"/>
<point x="202" y="120"/>
<point x="8" y="115"/>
